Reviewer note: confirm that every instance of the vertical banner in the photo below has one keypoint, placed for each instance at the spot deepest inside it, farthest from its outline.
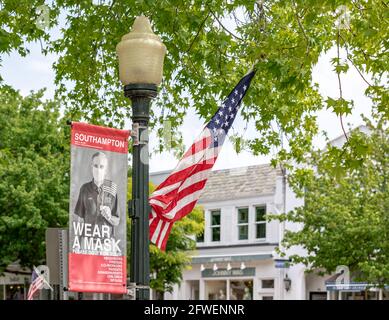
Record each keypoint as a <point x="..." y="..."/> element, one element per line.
<point x="97" y="218"/>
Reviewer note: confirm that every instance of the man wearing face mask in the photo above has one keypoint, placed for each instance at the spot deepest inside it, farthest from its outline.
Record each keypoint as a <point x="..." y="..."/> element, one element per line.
<point x="97" y="201"/>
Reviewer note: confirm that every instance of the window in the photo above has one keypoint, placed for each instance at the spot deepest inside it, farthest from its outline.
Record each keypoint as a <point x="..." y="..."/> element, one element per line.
<point x="200" y="237"/>
<point x="215" y="289"/>
<point x="266" y="289"/>
<point x="241" y="290"/>
<point x="318" y="296"/>
<point x="260" y="223"/>
<point x="194" y="289"/>
<point x="243" y="223"/>
<point x="215" y="225"/>
<point x="267" y="284"/>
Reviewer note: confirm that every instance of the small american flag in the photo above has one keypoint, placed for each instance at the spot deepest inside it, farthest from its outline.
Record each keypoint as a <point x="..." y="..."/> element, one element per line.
<point x="177" y="195"/>
<point x="37" y="282"/>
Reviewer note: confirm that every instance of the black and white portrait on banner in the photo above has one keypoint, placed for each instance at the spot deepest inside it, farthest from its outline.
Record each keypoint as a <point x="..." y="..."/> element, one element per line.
<point x="98" y="218"/>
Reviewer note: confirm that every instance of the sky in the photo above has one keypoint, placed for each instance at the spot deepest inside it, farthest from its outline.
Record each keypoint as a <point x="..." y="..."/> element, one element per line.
<point x="35" y="72"/>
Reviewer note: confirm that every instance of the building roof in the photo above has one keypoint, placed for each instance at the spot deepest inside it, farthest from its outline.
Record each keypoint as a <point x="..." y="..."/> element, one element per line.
<point x="244" y="182"/>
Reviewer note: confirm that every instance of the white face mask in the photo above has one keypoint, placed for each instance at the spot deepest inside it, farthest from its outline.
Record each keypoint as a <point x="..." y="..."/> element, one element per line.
<point x="98" y="169"/>
<point x="98" y="174"/>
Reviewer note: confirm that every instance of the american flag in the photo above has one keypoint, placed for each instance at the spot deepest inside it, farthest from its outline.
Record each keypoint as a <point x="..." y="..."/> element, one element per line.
<point x="37" y="282"/>
<point x="175" y="197"/>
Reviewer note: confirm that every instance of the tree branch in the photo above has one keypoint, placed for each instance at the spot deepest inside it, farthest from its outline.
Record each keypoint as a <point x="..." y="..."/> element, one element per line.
<point x="235" y="36"/>
<point x="302" y="30"/>
<point x="198" y="32"/>
<point x="352" y="62"/>
<point x="340" y="88"/>
<point x="299" y="23"/>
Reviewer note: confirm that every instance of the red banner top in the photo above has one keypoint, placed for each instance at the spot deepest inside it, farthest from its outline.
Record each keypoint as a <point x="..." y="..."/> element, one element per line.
<point x="98" y="137"/>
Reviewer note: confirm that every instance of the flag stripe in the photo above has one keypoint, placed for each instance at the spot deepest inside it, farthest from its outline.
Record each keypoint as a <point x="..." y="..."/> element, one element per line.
<point x="182" y="212"/>
<point x="157" y="232"/>
<point x="179" y="176"/>
<point x="197" y="177"/>
<point x="182" y="176"/>
<point x="36" y="285"/>
<point x="170" y="215"/>
<point x="162" y="238"/>
<point x="163" y="234"/>
<point x="166" y="189"/>
<point x="182" y="203"/>
<point x="166" y="206"/>
<point x="163" y="242"/>
<point x="198" y="146"/>
<point x="207" y="157"/>
<point x="109" y="188"/>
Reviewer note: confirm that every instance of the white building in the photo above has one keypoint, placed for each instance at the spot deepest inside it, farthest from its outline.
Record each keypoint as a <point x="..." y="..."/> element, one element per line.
<point x="235" y="259"/>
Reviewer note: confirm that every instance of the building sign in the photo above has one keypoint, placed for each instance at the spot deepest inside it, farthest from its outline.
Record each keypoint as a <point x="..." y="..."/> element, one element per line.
<point x="231" y="258"/>
<point x="97" y="217"/>
<point x="237" y="272"/>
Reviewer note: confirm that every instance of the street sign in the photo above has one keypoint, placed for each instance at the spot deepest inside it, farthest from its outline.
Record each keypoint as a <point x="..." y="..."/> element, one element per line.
<point x="282" y="263"/>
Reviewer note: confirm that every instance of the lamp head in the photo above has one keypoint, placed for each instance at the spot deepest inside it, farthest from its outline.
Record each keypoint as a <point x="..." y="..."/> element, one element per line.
<point x="141" y="54"/>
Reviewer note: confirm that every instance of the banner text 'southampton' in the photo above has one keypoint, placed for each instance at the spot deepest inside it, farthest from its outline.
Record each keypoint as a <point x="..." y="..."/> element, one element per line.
<point x="81" y="137"/>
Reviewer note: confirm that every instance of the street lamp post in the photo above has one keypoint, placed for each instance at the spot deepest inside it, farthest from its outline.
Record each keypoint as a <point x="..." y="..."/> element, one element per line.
<point x="141" y="54"/>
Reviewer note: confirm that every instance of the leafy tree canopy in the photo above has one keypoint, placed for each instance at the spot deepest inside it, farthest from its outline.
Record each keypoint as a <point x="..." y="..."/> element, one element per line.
<point x="34" y="179"/>
<point x="206" y="57"/>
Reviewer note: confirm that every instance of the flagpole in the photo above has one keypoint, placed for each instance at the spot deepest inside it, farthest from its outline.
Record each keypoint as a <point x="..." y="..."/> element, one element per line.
<point x="252" y="67"/>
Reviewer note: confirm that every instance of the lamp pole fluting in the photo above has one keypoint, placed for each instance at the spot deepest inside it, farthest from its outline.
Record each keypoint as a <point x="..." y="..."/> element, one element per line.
<point x="141" y="54"/>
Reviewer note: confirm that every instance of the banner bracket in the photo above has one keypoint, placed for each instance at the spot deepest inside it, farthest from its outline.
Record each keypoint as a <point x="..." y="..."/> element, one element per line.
<point x="132" y="205"/>
<point x="135" y="134"/>
<point x="139" y="134"/>
<point x="132" y="289"/>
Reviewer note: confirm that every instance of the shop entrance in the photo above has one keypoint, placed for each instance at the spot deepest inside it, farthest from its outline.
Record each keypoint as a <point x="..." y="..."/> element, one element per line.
<point x="12" y="292"/>
<point x="193" y="289"/>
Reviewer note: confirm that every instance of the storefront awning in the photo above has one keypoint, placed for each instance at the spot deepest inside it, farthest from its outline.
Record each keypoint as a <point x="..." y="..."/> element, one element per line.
<point x="231" y="258"/>
<point x="331" y="285"/>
